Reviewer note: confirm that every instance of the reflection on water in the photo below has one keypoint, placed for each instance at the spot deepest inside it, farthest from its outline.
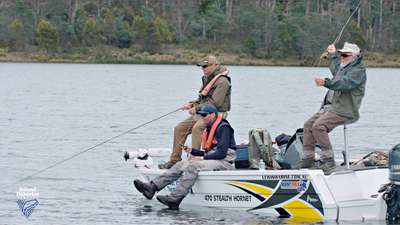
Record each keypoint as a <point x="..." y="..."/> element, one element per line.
<point x="51" y="111"/>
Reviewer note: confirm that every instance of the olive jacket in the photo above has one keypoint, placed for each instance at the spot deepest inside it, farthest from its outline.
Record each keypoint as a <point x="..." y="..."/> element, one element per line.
<point x="220" y="93"/>
<point x="348" y="84"/>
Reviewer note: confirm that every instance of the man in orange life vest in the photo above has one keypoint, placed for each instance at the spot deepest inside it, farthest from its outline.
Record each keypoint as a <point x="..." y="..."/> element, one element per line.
<point x="218" y="153"/>
<point x="216" y="90"/>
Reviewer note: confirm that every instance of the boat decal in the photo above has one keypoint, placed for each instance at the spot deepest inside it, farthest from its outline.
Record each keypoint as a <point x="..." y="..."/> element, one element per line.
<point x="256" y="187"/>
<point x="290" y="198"/>
<point x="272" y="184"/>
<point x="282" y="194"/>
<point x="311" y="197"/>
<point x="283" y="213"/>
<point x="300" y="209"/>
<point x="260" y="189"/>
<point x="259" y="192"/>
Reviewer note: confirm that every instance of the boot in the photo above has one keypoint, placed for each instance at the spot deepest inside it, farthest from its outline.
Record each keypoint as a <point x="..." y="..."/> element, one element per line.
<point x="328" y="165"/>
<point x="166" y="165"/>
<point x="307" y="163"/>
<point x="169" y="201"/>
<point x="147" y="189"/>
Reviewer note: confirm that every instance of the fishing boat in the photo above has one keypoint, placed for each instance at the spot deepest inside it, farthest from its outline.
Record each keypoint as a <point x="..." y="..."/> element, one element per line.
<point x="300" y="195"/>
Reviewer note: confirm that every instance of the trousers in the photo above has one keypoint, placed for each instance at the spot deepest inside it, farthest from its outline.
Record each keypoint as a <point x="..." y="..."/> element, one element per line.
<point x="316" y="131"/>
<point x="191" y="125"/>
<point x="186" y="172"/>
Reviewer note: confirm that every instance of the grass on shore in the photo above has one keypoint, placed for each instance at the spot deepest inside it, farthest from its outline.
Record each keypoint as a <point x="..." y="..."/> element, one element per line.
<point x="108" y="55"/>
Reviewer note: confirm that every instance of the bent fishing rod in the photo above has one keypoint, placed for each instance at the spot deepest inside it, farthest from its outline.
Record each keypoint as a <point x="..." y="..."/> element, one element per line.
<point x="93" y="147"/>
<point x="339" y="36"/>
<point x="347" y="22"/>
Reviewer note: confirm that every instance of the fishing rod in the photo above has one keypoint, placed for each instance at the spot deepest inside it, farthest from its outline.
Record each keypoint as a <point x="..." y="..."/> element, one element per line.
<point x="127" y="155"/>
<point x="347" y="22"/>
<point x="93" y="147"/>
<point x="324" y="54"/>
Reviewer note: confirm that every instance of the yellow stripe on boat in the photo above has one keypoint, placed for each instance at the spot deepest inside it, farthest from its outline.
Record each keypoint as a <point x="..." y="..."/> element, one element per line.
<point x="299" y="209"/>
<point x="259" y="189"/>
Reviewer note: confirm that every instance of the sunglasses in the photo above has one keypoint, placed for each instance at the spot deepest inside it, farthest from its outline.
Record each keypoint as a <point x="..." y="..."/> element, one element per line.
<point x="345" y="55"/>
<point x="205" y="66"/>
<point x="204" y="114"/>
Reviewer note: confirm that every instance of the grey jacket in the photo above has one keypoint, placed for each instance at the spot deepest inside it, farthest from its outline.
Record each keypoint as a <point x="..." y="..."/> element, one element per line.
<point x="348" y="84"/>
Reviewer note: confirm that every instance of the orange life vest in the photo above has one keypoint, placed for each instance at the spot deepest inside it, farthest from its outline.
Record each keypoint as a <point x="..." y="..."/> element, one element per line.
<point x="208" y="139"/>
<point x="205" y="89"/>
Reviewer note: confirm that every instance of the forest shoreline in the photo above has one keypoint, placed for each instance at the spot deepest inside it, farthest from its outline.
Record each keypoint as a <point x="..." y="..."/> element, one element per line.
<point x="179" y="56"/>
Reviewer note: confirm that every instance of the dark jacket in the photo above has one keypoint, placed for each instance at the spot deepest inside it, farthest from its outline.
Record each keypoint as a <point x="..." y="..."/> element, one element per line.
<point x="224" y="136"/>
<point x="348" y="84"/>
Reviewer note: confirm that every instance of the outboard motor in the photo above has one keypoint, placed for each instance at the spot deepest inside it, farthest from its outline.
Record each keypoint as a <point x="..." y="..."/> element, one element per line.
<point x="394" y="165"/>
<point x="392" y="194"/>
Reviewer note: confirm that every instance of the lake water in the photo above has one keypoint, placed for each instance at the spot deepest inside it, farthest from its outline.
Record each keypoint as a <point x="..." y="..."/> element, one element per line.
<point x="49" y="112"/>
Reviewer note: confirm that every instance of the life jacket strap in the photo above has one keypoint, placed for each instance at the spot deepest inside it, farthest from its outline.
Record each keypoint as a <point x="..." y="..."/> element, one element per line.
<point x="208" y="139"/>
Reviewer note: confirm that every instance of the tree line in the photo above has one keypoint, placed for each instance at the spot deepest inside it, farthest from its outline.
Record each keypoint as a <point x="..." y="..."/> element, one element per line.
<point x="258" y="28"/>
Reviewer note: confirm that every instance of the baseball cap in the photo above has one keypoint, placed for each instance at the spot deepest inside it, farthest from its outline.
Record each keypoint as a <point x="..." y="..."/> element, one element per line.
<point x="208" y="60"/>
<point x="206" y="109"/>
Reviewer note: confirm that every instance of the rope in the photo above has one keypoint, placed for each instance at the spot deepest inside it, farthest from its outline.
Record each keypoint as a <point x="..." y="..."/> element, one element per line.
<point x="93" y="147"/>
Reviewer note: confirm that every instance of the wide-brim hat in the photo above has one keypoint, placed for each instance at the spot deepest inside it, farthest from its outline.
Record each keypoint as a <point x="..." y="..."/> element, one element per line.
<point x="350" y="48"/>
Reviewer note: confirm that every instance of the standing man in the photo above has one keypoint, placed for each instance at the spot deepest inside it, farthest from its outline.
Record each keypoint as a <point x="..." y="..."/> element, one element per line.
<point x="340" y="106"/>
<point x="218" y="153"/>
<point x="216" y="90"/>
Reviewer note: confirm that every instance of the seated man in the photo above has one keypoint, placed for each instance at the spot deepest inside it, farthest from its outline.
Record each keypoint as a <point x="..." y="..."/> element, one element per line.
<point x="341" y="104"/>
<point x="219" y="147"/>
<point x="216" y="90"/>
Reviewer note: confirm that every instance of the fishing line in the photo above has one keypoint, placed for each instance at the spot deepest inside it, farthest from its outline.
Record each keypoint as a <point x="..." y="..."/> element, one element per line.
<point x="93" y="147"/>
<point x="348" y="20"/>
<point x="341" y="31"/>
<point x="189" y="130"/>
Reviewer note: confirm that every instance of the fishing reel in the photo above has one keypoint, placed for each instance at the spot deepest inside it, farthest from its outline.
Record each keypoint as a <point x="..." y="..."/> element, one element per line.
<point x="324" y="55"/>
<point x="141" y="158"/>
